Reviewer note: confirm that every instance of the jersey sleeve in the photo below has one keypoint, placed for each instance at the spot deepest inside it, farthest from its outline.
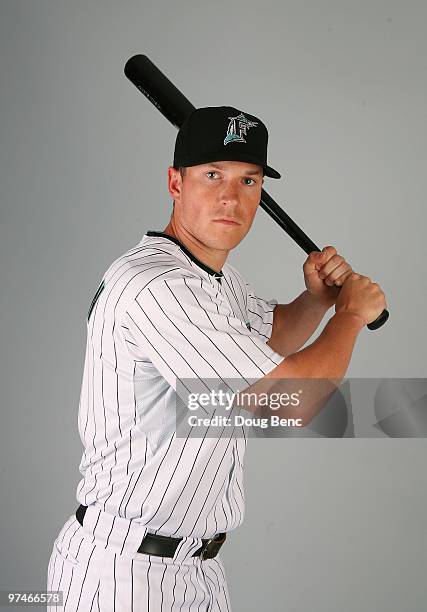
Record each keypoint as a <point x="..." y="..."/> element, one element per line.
<point x="188" y="331"/>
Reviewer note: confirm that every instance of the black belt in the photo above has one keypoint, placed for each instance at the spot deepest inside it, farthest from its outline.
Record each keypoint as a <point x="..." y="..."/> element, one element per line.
<point x="165" y="546"/>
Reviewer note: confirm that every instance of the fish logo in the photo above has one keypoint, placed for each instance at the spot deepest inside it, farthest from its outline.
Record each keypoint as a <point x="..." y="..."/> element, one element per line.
<point x="237" y="128"/>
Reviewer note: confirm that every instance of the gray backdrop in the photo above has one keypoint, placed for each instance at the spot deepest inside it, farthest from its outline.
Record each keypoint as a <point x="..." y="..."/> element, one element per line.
<point x="330" y="525"/>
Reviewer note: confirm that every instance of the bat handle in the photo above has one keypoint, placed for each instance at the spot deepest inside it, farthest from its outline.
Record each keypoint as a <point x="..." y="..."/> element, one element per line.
<point x="379" y="321"/>
<point x="291" y="228"/>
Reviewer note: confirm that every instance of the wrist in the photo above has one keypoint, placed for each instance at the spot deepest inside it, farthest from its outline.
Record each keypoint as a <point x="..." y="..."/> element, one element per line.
<point x="351" y="317"/>
<point x="321" y="302"/>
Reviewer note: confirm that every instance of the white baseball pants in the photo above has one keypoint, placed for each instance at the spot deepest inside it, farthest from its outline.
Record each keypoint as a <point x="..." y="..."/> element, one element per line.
<point x="98" y="570"/>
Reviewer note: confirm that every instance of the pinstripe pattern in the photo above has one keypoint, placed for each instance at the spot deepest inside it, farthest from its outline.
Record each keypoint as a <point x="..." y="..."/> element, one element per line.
<point x="159" y="315"/>
<point x="97" y="577"/>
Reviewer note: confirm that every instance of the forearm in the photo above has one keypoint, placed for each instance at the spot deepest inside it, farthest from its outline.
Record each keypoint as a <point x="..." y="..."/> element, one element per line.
<point x="295" y="323"/>
<point x="329" y="355"/>
<point x="326" y="360"/>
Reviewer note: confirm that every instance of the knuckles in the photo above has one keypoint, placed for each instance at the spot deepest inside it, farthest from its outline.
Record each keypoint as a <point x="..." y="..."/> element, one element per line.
<point x="329" y="249"/>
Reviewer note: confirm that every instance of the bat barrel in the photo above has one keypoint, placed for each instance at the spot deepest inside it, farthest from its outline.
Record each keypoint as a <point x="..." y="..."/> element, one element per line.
<point x="155" y="86"/>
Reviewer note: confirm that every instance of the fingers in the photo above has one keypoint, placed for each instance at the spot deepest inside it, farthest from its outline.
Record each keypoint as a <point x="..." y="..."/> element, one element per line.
<point x="338" y="280"/>
<point x="328" y="252"/>
<point x="317" y="259"/>
<point x="336" y="268"/>
<point x="331" y="265"/>
<point x="312" y="263"/>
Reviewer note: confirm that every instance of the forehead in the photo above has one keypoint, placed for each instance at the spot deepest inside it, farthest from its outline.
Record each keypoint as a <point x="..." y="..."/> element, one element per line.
<point x="233" y="167"/>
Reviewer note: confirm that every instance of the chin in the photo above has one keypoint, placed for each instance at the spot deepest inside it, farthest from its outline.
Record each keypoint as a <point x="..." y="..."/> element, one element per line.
<point x="220" y="236"/>
<point x="226" y="242"/>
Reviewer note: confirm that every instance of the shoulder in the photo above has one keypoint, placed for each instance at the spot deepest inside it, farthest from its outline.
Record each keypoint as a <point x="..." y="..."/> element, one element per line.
<point x="138" y="271"/>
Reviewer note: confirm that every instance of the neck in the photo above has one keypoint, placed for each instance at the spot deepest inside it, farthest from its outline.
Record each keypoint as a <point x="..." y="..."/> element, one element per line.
<point x="211" y="257"/>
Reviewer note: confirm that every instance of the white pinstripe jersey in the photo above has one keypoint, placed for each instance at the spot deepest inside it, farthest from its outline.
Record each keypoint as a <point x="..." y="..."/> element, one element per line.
<point x="160" y="315"/>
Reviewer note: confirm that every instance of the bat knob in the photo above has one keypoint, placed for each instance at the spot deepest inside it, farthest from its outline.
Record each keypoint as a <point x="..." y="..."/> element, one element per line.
<point x="379" y="321"/>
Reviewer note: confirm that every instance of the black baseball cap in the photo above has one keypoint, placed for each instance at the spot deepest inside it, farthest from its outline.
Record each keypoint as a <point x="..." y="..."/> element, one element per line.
<point x="222" y="133"/>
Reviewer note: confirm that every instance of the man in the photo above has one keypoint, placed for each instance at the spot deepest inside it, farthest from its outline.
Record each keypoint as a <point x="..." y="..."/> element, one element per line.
<point x="155" y="507"/>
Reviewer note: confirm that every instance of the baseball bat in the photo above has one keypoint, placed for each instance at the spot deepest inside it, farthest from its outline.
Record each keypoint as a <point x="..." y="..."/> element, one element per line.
<point x="172" y="103"/>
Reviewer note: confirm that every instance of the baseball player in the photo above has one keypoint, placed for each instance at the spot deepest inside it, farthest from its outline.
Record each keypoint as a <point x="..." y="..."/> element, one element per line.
<point x="154" y="507"/>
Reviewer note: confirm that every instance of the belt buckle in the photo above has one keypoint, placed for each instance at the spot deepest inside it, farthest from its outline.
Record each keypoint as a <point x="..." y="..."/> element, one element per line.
<point x="212" y="546"/>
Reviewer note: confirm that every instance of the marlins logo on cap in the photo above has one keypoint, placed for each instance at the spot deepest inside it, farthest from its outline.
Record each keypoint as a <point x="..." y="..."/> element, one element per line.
<point x="243" y="125"/>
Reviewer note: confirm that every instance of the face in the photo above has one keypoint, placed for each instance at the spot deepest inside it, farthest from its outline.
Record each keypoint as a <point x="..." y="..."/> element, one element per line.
<point x="213" y="191"/>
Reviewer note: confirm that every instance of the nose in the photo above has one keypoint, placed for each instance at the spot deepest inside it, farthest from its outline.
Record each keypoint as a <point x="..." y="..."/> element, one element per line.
<point x="230" y="194"/>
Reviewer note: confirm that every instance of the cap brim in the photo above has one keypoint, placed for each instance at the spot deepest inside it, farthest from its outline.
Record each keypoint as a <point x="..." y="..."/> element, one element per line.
<point x="271" y="172"/>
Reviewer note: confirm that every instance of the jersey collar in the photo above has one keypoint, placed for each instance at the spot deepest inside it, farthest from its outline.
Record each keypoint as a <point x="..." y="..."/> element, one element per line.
<point x="193" y="258"/>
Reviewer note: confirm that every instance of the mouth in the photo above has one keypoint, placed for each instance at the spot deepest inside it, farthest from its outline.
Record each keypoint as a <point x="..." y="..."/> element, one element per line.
<point x="227" y="221"/>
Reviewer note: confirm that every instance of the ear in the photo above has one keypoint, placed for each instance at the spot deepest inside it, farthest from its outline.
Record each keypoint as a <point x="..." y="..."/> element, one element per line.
<point x="174" y="182"/>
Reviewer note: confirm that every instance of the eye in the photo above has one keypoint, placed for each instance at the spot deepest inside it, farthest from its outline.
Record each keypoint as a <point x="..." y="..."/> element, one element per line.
<point x="211" y="172"/>
<point x="250" y="179"/>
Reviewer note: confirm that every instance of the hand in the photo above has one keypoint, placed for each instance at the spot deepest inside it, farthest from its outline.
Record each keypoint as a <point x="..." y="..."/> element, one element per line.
<point x="324" y="273"/>
<point x="362" y="297"/>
